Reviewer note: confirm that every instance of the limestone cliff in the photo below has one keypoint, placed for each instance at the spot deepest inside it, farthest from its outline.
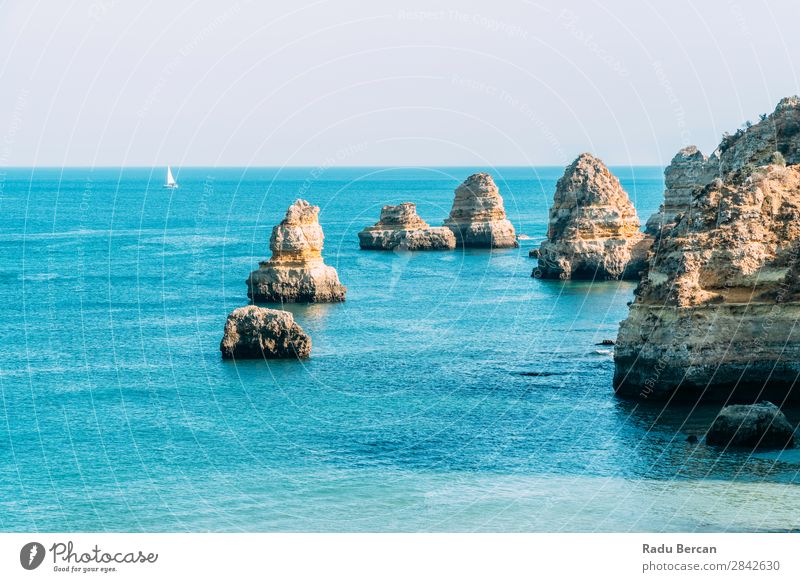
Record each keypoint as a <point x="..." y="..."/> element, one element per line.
<point x="400" y="227"/>
<point x="478" y="218"/>
<point x="715" y="315"/>
<point x="776" y="138"/>
<point x="690" y="169"/>
<point x="296" y="272"/>
<point x="593" y="232"/>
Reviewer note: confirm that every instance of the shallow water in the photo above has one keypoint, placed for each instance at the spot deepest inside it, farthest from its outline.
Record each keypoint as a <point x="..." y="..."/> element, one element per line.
<point x="451" y="391"/>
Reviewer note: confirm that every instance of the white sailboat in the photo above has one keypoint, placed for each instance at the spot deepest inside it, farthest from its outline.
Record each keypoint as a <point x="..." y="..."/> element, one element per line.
<point x="170" y="183"/>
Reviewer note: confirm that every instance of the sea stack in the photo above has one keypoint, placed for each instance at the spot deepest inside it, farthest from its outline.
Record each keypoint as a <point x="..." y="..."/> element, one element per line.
<point x="478" y="218"/>
<point x="296" y="272"/>
<point x="715" y="313"/>
<point x="593" y="232"/>
<point x="400" y="227"/>
<point x="256" y="332"/>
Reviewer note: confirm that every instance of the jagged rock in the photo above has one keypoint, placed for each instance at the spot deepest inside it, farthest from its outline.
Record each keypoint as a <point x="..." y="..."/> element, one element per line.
<point x="715" y="313"/>
<point x="533" y="253"/>
<point x="593" y="231"/>
<point x="296" y="272"/>
<point x="690" y="169"/>
<point x="756" y="145"/>
<point x="256" y="332"/>
<point x="478" y="218"/>
<point x="401" y="227"/>
<point x="754" y="426"/>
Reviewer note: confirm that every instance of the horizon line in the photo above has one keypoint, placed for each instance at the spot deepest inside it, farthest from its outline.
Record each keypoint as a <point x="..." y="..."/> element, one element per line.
<point x="313" y="166"/>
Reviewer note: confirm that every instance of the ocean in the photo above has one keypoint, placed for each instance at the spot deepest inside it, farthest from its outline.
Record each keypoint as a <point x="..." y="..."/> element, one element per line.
<point x="450" y="392"/>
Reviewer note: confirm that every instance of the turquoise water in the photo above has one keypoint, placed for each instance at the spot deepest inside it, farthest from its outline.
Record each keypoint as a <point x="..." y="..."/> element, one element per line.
<point x="413" y="414"/>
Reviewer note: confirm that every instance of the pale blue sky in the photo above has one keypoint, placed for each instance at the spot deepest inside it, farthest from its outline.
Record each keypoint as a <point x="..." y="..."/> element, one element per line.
<point x="113" y="82"/>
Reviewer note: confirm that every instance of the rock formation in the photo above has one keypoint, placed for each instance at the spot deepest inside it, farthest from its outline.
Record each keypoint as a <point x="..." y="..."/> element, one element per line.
<point x="753" y="145"/>
<point x="401" y="227"/>
<point x="715" y="314"/>
<point x="756" y="145"/>
<point x="256" y="332"/>
<point x="478" y="218"/>
<point x="755" y="426"/>
<point x="593" y="231"/>
<point x="689" y="169"/>
<point x="296" y="272"/>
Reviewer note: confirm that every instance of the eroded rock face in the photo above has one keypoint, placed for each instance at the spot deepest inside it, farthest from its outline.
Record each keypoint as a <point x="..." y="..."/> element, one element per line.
<point x="778" y="132"/>
<point x="296" y="272"/>
<point x="714" y="315"/>
<point x="756" y="145"/>
<point x="690" y="169"/>
<point x="401" y="227"/>
<point x="753" y="426"/>
<point x="478" y="218"/>
<point x="593" y="231"/>
<point x="256" y="332"/>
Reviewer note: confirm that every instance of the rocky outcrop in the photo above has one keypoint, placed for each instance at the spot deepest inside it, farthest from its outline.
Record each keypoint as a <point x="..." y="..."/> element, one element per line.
<point x="400" y="227"/>
<point x="256" y="332"/>
<point x="593" y="231"/>
<point x="296" y="272"/>
<point x="689" y="170"/>
<point x="755" y="145"/>
<point x="754" y="426"/>
<point x="478" y="218"/>
<point x="775" y="139"/>
<point x="715" y="314"/>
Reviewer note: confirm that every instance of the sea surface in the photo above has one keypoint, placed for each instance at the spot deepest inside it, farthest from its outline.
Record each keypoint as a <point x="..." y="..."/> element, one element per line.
<point x="451" y="392"/>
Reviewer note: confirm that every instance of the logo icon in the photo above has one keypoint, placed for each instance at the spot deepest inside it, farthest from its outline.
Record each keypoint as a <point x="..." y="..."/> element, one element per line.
<point x="31" y="555"/>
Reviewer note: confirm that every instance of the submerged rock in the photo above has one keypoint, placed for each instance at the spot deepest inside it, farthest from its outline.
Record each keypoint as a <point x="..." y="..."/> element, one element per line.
<point x="401" y="227"/>
<point x="593" y="231"/>
<point x="755" y="426"/>
<point x="715" y="313"/>
<point x="478" y="218"/>
<point x="257" y="332"/>
<point x="296" y="272"/>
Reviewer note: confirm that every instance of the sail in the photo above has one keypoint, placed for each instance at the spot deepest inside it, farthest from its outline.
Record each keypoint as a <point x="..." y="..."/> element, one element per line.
<point x="170" y="178"/>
